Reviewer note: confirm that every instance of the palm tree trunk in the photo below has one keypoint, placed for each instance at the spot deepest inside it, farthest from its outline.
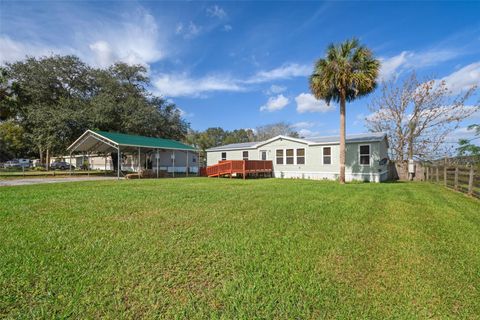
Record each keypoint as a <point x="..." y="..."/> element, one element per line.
<point x="342" y="138"/>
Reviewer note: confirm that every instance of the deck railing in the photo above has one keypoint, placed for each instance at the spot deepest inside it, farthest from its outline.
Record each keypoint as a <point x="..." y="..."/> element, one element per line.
<point x="244" y="167"/>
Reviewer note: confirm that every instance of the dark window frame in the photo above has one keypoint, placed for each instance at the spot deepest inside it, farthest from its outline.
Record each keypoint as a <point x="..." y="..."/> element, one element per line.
<point x="327" y="156"/>
<point x="279" y="157"/>
<point x="289" y="158"/>
<point x="302" y="157"/>
<point x="364" y="155"/>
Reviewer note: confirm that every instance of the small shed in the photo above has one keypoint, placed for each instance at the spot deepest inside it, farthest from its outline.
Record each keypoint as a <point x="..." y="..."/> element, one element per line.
<point x="136" y="153"/>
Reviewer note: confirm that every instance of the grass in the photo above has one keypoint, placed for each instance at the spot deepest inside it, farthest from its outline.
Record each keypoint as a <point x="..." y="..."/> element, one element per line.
<point x="218" y="248"/>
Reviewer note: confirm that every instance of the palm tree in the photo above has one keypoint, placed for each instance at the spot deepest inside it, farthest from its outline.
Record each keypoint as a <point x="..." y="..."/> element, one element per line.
<point x="348" y="71"/>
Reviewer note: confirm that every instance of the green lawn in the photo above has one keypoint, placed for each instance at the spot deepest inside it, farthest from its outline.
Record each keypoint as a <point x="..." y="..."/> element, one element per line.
<point x="226" y="248"/>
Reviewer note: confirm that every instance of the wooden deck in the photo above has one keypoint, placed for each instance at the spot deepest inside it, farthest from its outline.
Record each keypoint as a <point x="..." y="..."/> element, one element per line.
<point x="240" y="167"/>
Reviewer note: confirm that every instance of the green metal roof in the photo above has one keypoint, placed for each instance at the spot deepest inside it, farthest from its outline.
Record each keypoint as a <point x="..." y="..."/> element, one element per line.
<point x="141" y="141"/>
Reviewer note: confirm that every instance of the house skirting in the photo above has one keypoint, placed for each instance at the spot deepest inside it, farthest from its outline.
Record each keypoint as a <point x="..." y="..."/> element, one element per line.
<point x="349" y="176"/>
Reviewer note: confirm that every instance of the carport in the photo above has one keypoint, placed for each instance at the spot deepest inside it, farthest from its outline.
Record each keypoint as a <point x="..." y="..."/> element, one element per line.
<point x="143" y="153"/>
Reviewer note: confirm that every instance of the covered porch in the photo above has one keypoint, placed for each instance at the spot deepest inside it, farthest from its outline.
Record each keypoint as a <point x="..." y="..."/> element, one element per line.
<point x="146" y="156"/>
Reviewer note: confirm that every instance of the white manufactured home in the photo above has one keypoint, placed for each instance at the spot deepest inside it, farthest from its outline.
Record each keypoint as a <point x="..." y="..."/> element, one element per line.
<point x="314" y="158"/>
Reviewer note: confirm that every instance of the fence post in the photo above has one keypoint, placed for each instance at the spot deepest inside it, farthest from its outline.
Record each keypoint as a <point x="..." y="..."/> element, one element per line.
<point x="445" y="173"/>
<point x="470" y="181"/>
<point x="455" y="185"/>
<point x="428" y="171"/>
<point x="438" y="179"/>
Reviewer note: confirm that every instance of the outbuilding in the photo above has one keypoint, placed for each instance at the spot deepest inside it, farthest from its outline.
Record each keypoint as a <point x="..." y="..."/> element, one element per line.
<point x="136" y="153"/>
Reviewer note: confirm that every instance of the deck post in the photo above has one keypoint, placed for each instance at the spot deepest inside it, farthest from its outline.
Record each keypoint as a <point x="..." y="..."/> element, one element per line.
<point x="186" y="167"/>
<point x="119" y="164"/>
<point x="70" y="163"/>
<point x="244" y="173"/>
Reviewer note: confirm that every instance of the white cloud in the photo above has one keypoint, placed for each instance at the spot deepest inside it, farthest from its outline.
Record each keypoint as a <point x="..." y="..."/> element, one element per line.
<point x="133" y="39"/>
<point x="285" y="71"/>
<point x="173" y="85"/>
<point x="275" y="103"/>
<point x="461" y="133"/>
<point x="227" y="28"/>
<point x="216" y="11"/>
<point x="302" y="125"/>
<point x="389" y="66"/>
<point x="179" y="28"/>
<point x="102" y="51"/>
<point x="11" y="50"/>
<point x="359" y="119"/>
<point x="307" y="133"/>
<point x="188" y="32"/>
<point x="464" y="78"/>
<point x="275" y="89"/>
<point x="306" y="102"/>
<point x="185" y="114"/>
<point x="410" y="60"/>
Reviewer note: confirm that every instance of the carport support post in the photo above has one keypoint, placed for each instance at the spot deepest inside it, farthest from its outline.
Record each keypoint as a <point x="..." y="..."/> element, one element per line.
<point x="138" y="168"/>
<point x="173" y="158"/>
<point x="70" y="163"/>
<point x="198" y="163"/>
<point x="157" y="160"/>
<point x="119" y="165"/>
<point x="186" y="167"/>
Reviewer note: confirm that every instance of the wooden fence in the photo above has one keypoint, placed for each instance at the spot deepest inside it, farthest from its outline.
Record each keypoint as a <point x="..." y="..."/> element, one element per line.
<point x="463" y="178"/>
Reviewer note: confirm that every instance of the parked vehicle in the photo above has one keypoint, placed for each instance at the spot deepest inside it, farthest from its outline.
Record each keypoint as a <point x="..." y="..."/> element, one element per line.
<point x="17" y="163"/>
<point x="61" y="165"/>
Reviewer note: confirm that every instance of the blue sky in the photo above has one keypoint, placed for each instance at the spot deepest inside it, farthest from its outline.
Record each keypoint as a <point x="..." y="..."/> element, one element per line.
<point x="245" y="64"/>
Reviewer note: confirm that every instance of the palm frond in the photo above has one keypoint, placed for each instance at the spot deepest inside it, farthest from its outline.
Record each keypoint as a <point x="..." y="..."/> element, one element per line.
<point x="348" y="67"/>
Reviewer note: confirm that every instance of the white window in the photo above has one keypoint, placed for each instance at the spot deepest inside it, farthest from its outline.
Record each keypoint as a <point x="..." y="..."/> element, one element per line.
<point x="279" y="156"/>
<point x="224" y="156"/>
<point x="327" y="155"/>
<point x="364" y="151"/>
<point x="245" y="155"/>
<point x="300" y="156"/>
<point x="289" y="153"/>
